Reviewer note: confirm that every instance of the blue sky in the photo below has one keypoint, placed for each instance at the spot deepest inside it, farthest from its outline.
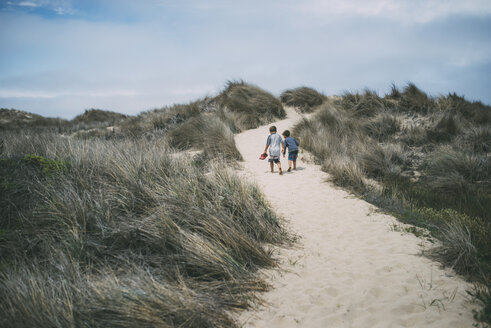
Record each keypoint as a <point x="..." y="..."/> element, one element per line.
<point x="59" y="57"/>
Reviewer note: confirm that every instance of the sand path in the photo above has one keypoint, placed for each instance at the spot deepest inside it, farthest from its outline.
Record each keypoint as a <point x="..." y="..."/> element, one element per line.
<point x="350" y="267"/>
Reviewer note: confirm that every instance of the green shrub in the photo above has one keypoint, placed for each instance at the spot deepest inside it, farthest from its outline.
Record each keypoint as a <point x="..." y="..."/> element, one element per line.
<point x="303" y="98"/>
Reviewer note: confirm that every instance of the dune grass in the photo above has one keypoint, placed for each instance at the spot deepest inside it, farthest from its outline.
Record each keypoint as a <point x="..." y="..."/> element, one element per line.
<point x="424" y="159"/>
<point x="304" y="98"/>
<point x="127" y="232"/>
<point x="249" y="105"/>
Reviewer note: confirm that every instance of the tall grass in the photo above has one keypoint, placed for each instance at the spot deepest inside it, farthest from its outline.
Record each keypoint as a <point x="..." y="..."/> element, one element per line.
<point x="424" y="159"/>
<point x="303" y="98"/>
<point x="125" y="233"/>
<point x="250" y="105"/>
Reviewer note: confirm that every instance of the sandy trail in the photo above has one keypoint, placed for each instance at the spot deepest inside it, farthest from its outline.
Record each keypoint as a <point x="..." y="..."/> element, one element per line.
<point x="350" y="269"/>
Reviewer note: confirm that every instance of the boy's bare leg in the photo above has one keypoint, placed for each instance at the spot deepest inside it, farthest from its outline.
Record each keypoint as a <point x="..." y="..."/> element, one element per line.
<point x="279" y="168"/>
<point x="272" y="167"/>
<point x="294" y="165"/>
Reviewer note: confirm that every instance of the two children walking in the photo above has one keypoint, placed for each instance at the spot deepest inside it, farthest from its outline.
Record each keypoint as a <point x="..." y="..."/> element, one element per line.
<point x="277" y="146"/>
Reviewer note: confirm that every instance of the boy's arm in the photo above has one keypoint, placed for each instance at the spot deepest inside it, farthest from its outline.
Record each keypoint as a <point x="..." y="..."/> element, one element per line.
<point x="283" y="148"/>
<point x="268" y="142"/>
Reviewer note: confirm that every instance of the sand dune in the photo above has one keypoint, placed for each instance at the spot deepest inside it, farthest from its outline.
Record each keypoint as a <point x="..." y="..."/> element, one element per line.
<point x="350" y="268"/>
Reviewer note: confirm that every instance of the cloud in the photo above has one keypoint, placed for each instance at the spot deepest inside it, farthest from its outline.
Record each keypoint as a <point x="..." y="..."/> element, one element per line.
<point x="28" y="4"/>
<point x="180" y="51"/>
<point x="42" y="7"/>
<point x="420" y="11"/>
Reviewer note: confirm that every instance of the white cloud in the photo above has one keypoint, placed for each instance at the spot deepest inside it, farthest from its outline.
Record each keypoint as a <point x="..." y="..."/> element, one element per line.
<point x="27" y="4"/>
<point x="421" y="11"/>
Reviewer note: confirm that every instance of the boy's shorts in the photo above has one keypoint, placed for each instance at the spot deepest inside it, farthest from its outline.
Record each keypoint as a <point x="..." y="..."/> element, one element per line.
<point x="274" y="159"/>
<point x="292" y="155"/>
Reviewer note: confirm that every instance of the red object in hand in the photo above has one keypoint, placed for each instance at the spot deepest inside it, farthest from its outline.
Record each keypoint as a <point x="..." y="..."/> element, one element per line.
<point x="263" y="156"/>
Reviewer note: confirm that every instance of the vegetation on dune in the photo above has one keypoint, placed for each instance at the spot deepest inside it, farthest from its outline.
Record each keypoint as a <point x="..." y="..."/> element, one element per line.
<point x="249" y="105"/>
<point x="12" y="119"/>
<point x="425" y="159"/>
<point x="125" y="233"/>
<point x="109" y="221"/>
<point x="303" y="98"/>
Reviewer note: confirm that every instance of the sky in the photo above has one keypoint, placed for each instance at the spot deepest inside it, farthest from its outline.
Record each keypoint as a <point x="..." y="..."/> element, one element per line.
<point x="60" y="57"/>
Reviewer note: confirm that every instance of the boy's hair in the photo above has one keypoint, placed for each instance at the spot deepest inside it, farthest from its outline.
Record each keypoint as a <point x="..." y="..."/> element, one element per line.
<point x="272" y="128"/>
<point x="286" y="133"/>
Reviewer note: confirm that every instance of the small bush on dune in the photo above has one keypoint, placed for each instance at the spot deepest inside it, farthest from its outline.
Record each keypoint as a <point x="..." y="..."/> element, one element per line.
<point x="303" y="98"/>
<point x="251" y="105"/>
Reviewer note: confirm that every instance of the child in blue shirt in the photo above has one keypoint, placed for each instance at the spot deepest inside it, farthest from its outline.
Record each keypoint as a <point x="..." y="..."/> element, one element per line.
<point x="292" y="145"/>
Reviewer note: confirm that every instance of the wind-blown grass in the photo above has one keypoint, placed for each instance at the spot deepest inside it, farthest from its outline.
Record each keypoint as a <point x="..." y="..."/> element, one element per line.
<point x="250" y="105"/>
<point x="125" y="233"/>
<point x="303" y="98"/>
<point x="424" y="159"/>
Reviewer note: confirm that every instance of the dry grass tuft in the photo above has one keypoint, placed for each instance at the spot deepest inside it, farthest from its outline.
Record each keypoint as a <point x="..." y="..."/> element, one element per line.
<point x="304" y="98"/>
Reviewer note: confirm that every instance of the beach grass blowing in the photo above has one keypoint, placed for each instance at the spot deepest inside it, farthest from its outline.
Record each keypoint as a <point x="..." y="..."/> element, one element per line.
<point x="249" y="105"/>
<point x="424" y="159"/>
<point x="127" y="232"/>
<point x="303" y="98"/>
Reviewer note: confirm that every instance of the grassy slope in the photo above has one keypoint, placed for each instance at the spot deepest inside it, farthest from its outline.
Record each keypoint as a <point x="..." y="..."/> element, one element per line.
<point x="424" y="159"/>
<point x="114" y="228"/>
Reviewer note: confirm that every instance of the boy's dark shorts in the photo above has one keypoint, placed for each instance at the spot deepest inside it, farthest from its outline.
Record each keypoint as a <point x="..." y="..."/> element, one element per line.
<point x="292" y="155"/>
<point x="274" y="159"/>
